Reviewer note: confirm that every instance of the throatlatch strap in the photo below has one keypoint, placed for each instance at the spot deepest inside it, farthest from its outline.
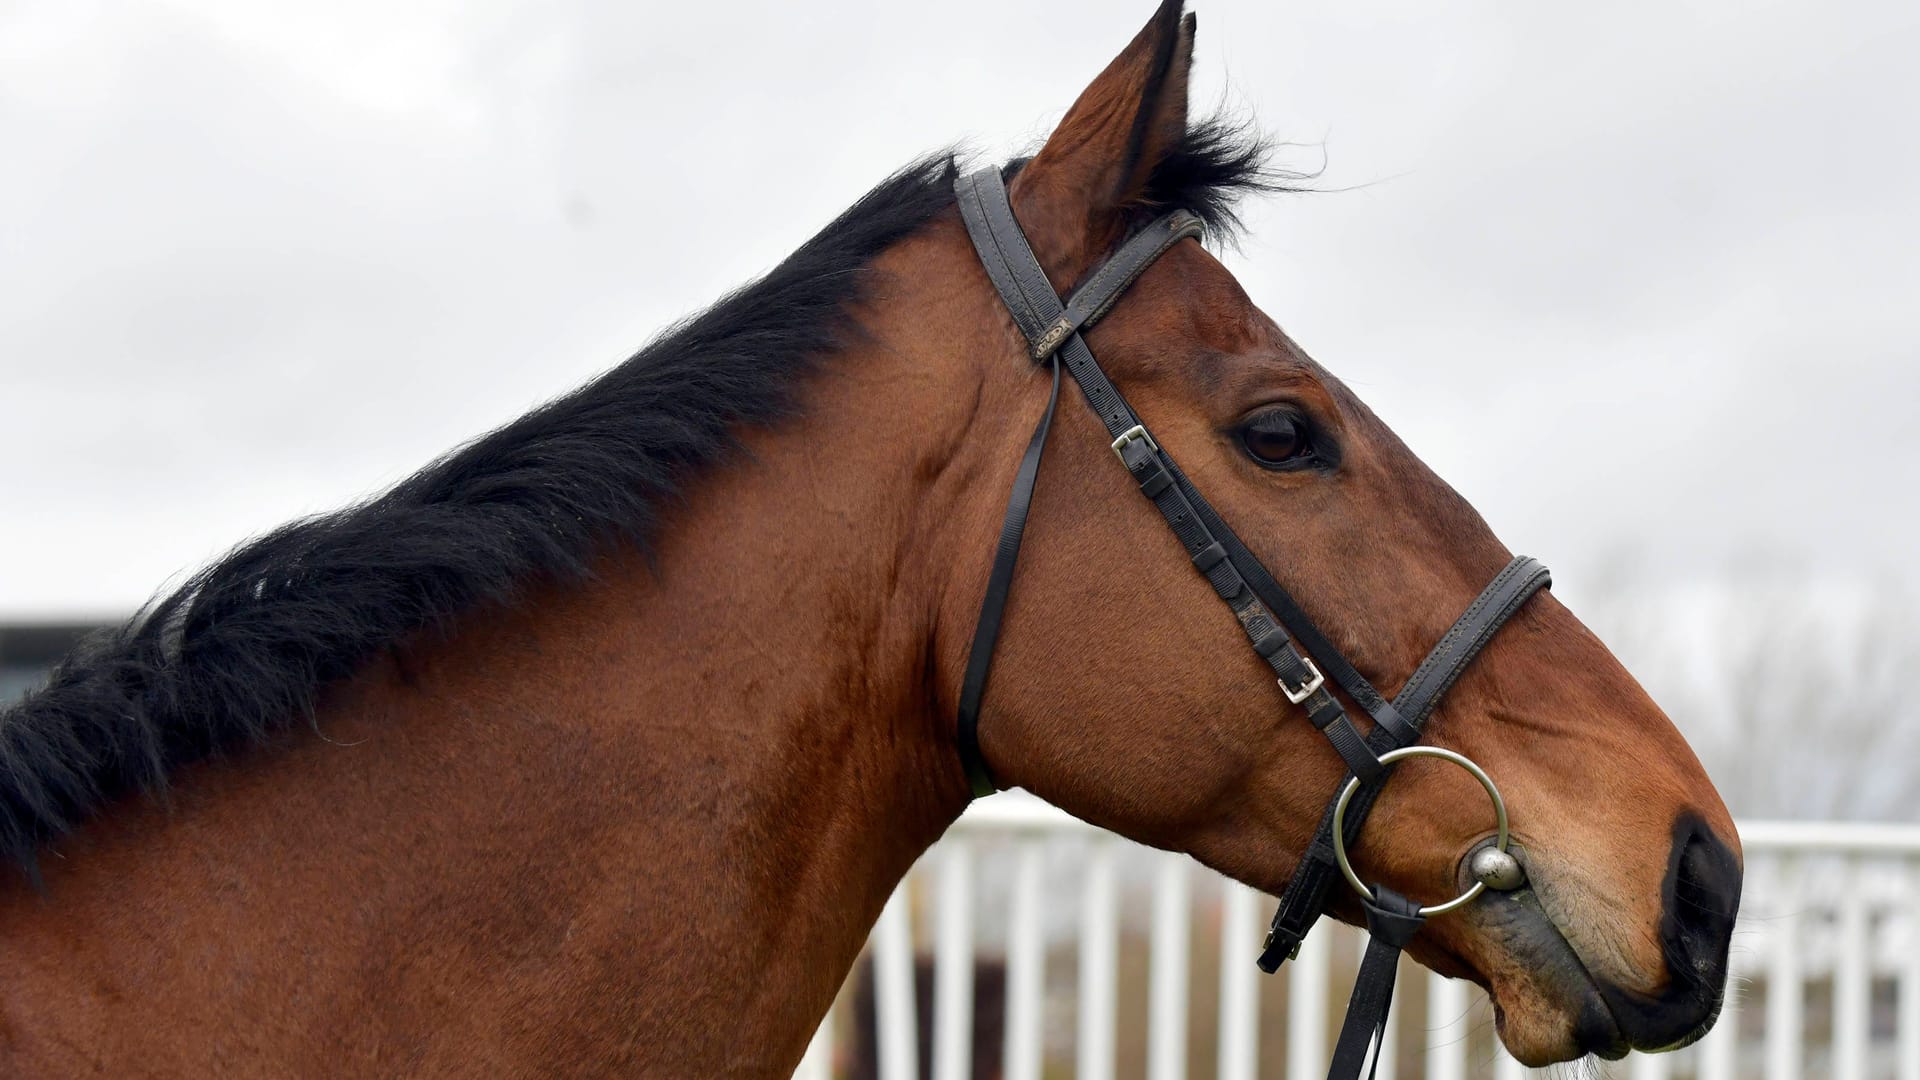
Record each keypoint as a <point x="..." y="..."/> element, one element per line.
<point x="986" y="630"/>
<point x="1392" y="920"/>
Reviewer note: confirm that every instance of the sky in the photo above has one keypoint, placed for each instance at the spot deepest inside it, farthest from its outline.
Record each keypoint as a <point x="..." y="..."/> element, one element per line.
<point x="1636" y="278"/>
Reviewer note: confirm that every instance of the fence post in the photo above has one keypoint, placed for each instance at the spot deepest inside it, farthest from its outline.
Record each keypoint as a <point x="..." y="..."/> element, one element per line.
<point x="893" y="990"/>
<point x="1909" y="991"/>
<point x="1307" y="976"/>
<point x="1446" y="1028"/>
<point x="1783" y="977"/>
<point x="1239" y="985"/>
<point x="1852" y="981"/>
<point x="1099" y="948"/>
<point x="953" y="962"/>
<point x="1026" y="964"/>
<point x="1167" y="975"/>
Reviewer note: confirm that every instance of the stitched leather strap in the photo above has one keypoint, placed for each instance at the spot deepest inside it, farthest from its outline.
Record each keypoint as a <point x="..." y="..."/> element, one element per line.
<point x="1392" y="920"/>
<point x="1317" y="874"/>
<point x="1470" y="633"/>
<point x="1022" y="284"/>
<point x="986" y="629"/>
<point x="1383" y="712"/>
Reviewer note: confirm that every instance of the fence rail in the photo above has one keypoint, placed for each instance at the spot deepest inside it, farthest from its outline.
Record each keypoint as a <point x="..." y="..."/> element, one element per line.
<point x="1826" y="972"/>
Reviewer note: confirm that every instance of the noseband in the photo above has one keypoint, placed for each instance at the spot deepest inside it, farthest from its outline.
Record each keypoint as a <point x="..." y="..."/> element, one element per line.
<point x="1275" y="625"/>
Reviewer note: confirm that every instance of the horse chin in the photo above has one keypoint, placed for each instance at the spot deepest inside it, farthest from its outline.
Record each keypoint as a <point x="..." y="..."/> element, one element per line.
<point x="1547" y="1006"/>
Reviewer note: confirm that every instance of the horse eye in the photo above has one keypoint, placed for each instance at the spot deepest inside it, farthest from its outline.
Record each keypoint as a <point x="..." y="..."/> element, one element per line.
<point x="1276" y="437"/>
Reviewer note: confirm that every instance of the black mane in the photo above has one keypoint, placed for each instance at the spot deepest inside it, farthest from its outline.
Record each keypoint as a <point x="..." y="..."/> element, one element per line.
<point x="242" y="651"/>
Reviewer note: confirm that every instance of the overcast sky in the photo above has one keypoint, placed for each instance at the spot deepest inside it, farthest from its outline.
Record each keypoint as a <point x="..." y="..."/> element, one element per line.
<point x="1635" y="277"/>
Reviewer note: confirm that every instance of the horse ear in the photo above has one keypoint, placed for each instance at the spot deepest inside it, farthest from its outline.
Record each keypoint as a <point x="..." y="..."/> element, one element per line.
<point x="1073" y="197"/>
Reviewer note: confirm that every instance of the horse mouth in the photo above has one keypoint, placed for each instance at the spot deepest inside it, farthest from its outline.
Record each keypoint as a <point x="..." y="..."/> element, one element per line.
<point x="1543" y="965"/>
<point x="1568" y="1012"/>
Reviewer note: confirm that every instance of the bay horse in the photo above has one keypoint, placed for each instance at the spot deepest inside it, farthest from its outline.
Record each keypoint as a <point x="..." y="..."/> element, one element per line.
<point x="595" y="747"/>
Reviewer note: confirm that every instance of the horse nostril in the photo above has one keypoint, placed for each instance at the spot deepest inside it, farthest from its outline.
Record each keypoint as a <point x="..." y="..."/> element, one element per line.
<point x="1702" y="898"/>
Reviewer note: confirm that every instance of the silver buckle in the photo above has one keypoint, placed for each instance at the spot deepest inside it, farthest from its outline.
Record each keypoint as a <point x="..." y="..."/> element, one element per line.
<point x="1306" y="688"/>
<point x="1133" y="434"/>
<point x="1292" y="954"/>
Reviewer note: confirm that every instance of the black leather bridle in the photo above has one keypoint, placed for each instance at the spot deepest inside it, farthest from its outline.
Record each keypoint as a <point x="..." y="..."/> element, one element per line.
<point x="1274" y="623"/>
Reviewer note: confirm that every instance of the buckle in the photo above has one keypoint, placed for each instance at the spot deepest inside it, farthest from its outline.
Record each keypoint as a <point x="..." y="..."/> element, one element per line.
<point x="1134" y="434"/>
<point x="1307" y="688"/>
<point x="1292" y="953"/>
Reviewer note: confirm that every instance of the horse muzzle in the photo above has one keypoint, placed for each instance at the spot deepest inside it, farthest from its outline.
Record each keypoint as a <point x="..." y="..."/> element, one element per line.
<point x="1559" y="991"/>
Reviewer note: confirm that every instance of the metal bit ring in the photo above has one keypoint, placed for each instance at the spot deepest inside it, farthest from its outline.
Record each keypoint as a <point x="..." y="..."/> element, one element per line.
<point x="1388" y="758"/>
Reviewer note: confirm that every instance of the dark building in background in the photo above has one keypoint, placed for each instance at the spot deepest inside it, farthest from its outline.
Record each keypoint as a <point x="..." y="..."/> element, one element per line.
<point x="28" y="650"/>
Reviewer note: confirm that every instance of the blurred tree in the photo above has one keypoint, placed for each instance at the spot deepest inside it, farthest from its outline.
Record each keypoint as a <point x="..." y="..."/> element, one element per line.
<point x="1793" y="688"/>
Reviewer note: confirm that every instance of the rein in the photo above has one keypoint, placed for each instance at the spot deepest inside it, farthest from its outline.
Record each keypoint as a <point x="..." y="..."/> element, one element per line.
<point x="1275" y="625"/>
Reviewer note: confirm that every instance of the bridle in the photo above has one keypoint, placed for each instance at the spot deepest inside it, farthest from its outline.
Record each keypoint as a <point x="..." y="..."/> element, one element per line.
<point x="1274" y="623"/>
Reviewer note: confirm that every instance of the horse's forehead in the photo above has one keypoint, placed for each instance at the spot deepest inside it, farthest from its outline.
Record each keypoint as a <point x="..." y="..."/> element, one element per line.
<point x="1193" y="319"/>
<point x="1188" y="304"/>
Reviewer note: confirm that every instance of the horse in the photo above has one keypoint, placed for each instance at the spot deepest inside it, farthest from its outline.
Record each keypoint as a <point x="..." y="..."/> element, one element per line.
<point x="596" y="746"/>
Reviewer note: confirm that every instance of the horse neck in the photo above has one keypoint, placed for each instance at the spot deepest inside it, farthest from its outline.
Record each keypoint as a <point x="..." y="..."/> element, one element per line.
<point x="673" y="801"/>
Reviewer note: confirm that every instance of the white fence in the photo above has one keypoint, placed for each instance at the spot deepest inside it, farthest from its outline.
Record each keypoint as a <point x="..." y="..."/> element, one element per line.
<point x="1070" y="920"/>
